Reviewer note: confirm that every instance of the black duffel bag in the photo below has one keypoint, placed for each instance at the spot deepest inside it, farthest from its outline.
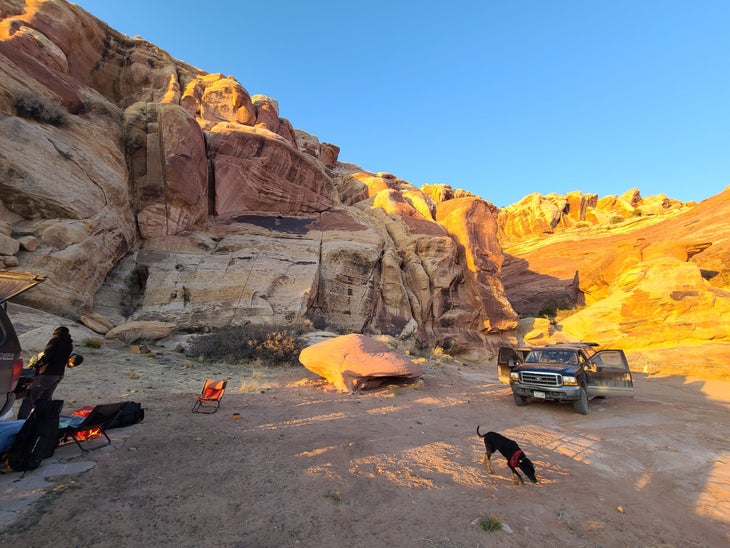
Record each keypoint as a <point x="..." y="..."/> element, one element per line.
<point x="130" y="413"/>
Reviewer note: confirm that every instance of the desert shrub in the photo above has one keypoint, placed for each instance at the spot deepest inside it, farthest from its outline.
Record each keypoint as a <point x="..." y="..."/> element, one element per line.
<point x="34" y="107"/>
<point x="93" y="343"/>
<point x="334" y="496"/>
<point x="550" y="308"/>
<point x="490" y="523"/>
<point x="136" y="283"/>
<point x="271" y="345"/>
<point x="616" y="219"/>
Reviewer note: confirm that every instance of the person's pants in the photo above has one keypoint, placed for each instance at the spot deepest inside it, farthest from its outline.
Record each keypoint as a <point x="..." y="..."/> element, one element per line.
<point x="41" y="389"/>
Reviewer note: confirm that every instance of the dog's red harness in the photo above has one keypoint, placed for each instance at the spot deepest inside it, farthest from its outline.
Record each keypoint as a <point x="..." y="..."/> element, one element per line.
<point x="514" y="459"/>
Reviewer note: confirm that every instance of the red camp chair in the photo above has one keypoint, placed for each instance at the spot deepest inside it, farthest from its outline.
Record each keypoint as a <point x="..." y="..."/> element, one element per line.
<point x="210" y="397"/>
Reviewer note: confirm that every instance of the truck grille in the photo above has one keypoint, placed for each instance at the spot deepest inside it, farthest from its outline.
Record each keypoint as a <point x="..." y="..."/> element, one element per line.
<point x="541" y="379"/>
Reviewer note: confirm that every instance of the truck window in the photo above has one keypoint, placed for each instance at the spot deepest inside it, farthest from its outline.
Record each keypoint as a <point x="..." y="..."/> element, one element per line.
<point x="610" y="361"/>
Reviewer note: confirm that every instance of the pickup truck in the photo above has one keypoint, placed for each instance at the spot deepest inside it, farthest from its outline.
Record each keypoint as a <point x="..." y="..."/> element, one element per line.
<point x="12" y="284"/>
<point x="565" y="372"/>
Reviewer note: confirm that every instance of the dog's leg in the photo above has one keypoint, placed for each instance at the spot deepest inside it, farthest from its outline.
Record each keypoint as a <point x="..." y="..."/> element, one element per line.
<point x="489" y="463"/>
<point x="515" y="476"/>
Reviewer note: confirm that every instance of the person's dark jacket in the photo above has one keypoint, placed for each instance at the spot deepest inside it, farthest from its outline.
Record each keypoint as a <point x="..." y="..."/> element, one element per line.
<point x="56" y="353"/>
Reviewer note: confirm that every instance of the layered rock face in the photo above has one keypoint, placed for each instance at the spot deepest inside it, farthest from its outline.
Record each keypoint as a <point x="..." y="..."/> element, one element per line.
<point x="147" y="189"/>
<point x="655" y="281"/>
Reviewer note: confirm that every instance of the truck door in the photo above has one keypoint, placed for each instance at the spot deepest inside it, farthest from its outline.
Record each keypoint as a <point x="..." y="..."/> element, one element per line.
<point x="507" y="358"/>
<point x="608" y="374"/>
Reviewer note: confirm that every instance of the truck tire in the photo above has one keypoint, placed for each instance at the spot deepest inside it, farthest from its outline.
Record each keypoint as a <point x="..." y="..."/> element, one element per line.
<point x="581" y="404"/>
<point x="519" y="400"/>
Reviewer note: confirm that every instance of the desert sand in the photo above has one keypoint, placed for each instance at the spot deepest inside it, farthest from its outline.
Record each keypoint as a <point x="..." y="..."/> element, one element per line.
<point x="306" y="465"/>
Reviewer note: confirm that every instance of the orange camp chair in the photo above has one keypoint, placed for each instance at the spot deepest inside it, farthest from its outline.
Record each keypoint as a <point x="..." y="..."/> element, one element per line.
<point x="210" y="397"/>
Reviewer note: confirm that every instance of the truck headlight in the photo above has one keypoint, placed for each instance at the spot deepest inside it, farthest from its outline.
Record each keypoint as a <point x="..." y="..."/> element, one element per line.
<point x="514" y="376"/>
<point x="570" y="381"/>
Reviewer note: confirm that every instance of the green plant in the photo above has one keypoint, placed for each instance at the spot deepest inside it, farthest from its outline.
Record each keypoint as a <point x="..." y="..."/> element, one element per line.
<point x="564" y="312"/>
<point x="334" y="496"/>
<point x="550" y="308"/>
<point x="35" y="107"/>
<point x="490" y="523"/>
<point x="93" y="343"/>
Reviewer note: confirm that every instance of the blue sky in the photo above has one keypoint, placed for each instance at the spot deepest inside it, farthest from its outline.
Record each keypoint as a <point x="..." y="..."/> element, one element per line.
<point x="501" y="98"/>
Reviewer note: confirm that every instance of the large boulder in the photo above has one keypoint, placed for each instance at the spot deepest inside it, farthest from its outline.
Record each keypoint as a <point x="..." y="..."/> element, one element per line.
<point x="141" y="330"/>
<point x="353" y="362"/>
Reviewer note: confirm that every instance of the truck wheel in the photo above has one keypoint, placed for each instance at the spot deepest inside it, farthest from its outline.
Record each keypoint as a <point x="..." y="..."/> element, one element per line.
<point x="519" y="400"/>
<point x="581" y="404"/>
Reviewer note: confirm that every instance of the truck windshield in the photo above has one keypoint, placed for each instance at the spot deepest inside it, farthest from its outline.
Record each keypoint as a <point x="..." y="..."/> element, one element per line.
<point x="562" y="356"/>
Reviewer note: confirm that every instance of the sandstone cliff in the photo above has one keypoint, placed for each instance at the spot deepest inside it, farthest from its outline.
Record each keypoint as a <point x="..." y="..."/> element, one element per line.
<point x="148" y="189"/>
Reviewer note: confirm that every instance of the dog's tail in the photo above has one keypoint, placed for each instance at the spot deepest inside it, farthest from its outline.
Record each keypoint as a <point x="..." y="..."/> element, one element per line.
<point x="478" y="434"/>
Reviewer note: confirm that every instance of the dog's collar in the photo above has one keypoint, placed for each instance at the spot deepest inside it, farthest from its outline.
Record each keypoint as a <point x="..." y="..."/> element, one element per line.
<point x="515" y="458"/>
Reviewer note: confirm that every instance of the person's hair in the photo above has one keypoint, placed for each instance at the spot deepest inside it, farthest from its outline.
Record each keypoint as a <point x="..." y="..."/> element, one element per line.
<point x="62" y="329"/>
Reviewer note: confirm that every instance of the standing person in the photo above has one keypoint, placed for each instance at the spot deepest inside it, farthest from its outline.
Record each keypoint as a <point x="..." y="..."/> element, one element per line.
<point x="52" y="366"/>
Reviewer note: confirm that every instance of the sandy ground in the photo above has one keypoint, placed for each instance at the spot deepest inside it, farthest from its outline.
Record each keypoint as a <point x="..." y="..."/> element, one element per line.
<point x="399" y="466"/>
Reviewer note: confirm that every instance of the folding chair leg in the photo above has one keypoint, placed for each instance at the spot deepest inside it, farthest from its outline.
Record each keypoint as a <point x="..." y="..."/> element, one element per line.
<point x="85" y="450"/>
<point x="206" y="409"/>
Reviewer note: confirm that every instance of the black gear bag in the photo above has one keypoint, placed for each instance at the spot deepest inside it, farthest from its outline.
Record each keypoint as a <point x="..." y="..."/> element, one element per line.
<point x="38" y="438"/>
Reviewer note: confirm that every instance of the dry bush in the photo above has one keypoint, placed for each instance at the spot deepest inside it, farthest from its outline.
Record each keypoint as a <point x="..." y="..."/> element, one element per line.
<point x="251" y="387"/>
<point x="242" y="344"/>
<point x="93" y="343"/>
<point x="35" y="107"/>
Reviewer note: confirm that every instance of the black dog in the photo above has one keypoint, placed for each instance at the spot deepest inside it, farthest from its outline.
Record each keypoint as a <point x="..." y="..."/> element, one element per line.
<point x="511" y="451"/>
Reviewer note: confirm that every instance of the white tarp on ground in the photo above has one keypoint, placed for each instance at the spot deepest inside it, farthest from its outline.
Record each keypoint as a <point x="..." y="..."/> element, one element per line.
<point x="352" y="362"/>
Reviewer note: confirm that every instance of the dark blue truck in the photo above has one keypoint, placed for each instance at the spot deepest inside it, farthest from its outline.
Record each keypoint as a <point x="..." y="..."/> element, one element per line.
<point x="565" y="372"/>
